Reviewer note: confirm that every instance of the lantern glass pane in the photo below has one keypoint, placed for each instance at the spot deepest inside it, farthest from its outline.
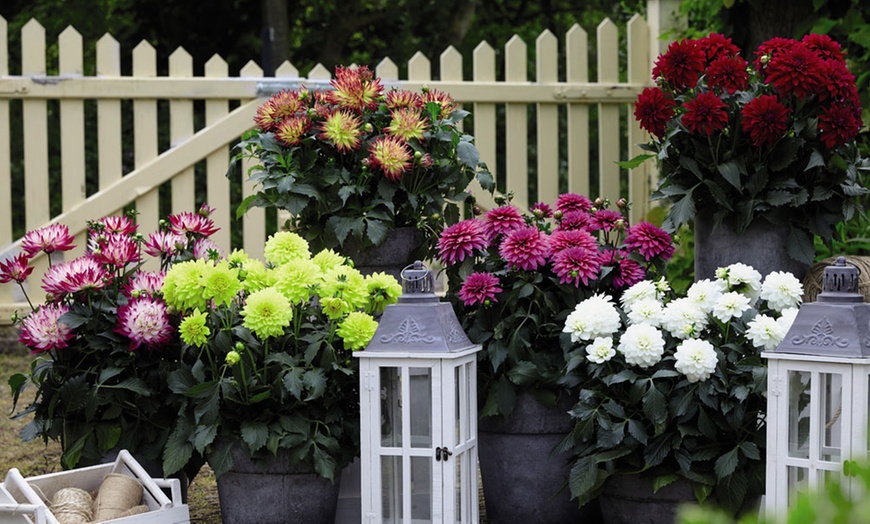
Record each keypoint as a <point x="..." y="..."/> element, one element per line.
<point x="421" y="407"/>
<point x="798" y="414"/>
<point x="391" y="489"/>
<point x="831" y="427"/>
<point x="421" y="490"/>
<point x="460" y="460"/>
<point x="797" y="480"/>
<point x="391" y="407"/>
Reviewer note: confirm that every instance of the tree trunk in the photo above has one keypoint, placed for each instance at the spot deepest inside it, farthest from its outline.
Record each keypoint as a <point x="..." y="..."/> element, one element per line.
<point x="772" y="18"/>
<point x="276" y="35"/>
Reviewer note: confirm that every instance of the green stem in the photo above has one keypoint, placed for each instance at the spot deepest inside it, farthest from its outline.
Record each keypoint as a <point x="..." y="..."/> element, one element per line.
<point x="21" y="285"/>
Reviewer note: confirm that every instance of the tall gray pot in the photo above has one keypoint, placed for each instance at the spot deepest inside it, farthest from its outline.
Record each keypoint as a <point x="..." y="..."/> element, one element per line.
<point x="762" y="246"/>
<point x="274" y="493"/>
<point x="522" y="482"/>
<point x="629" y="499"/>
<point x="390" y="257"/>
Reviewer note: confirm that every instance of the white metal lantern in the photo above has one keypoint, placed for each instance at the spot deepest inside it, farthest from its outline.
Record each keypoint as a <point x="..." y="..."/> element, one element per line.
<point x="818" y="383"/>
<point x="418" y="412"/>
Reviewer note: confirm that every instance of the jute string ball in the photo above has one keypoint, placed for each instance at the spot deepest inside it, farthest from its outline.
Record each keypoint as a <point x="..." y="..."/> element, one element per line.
<point x="72" y="506"/>
<point x="117" y="495"/>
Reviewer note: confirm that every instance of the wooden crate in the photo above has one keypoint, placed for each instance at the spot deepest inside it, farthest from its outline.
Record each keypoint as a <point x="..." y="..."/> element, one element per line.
<point x="34" y="493"/>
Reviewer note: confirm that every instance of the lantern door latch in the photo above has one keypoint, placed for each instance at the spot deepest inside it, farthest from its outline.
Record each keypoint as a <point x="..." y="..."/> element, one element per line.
<point x="442" y="454"/>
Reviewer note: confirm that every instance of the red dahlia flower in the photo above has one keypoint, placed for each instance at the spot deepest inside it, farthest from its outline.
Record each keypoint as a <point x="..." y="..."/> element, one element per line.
<point x="716" y="46"/>
<point x="728" y="73"/>
<point x="765" y="119"/>
<point x="837" y="125"/>
<point x="705" y="114"/>
<point x="796" y="71"/>
<point x="653" y="110"/>
<point x="681" y="65"/>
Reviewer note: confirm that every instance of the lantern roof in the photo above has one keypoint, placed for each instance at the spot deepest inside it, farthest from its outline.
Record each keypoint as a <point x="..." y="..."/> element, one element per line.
<point x="837" y="324"/>
<point x="419" y="321"/>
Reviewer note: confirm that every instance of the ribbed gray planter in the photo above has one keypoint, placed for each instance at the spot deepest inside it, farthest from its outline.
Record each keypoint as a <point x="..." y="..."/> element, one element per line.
<point x="629" y="499"/>
<point x="274" y="493"/>
<point x="522" y="482"/>
<point x="762" y="246"/>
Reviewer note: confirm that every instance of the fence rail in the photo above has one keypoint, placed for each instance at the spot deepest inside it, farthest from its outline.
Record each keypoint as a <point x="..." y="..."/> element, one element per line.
<point x="574" y="120"/>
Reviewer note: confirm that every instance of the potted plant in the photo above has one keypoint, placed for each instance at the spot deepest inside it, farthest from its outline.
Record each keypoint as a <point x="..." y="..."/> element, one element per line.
<point x="672" y="391"/>
<point x="513" y="278"/>
<point x="271" y="389"/>
<point x="766" y="147"/>
<point x="104" y="341"/>
<point x="354" y="163"/>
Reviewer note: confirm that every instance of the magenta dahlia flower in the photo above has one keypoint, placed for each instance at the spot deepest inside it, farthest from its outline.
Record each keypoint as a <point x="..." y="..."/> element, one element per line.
<point x="76" y="275"/>
<point x="15" y="268"/>
<point x="626" y="272"/>
<point x="572" y="202"/>
<point x="461" y="240"/>
<point x="606" y="220"/>
<point x="502" y="220"/>
<point x="565" y="238"/>
<point x="42" y="330"/>
<point x="145" y="321"/>
<point x="51" y="238"/>
<point x="650" y="241"/>
<point x="206" y="249"/>
<point x="541" y="210"/>
<point x="525" y="248"/>
<point x="575" y="220"/>
<point x="479" y="288"/>
<point x="576" y="264"/>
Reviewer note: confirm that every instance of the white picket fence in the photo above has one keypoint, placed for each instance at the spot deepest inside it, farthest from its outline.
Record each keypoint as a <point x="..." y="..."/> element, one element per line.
<point x="230" y="103"/>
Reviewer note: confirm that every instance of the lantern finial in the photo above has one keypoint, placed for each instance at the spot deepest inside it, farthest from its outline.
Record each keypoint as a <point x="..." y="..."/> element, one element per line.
<point x="417" y="278"/>
<point x="840" y="283"/>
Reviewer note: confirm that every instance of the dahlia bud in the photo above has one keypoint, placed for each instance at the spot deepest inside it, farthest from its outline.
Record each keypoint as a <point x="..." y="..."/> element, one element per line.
<point x="722" y="273"/>
<point x="240" y="346"/>
<point x="500" y="200"/>
<point x="476" y="210"/>
<point x="136" y="293"/>
<point x="539" y="214"/>
<point x="312" y="112"/>
<point x="622" y="203"/>
<point x="368" y="128"/>
<point x="599" y="202"/>
<point x="662" y="285"/>
<point x="620" y="224"/>
<point x="233" y="358"/>
<point x="436" y="217"/>
<point x="765" y="59"/>
<point x="425" y="88"/>
<point x="558" y="214"/>
<point x="418" y="155"/>
<point x="138" y="237"/>
<point x="15" y="318"/>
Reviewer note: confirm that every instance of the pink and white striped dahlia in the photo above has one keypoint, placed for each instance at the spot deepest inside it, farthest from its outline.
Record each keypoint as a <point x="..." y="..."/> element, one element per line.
<point x="114" y="224"/>
<point x="144" y="321"/>
<point x="144" y="283"/>
<point x="187" y="222"/>
<point x="42" y="329"/>
<point x="53" y="237"/>
<point x="164" y="243"/>
<point x="15" y="268"/>
<point x="116" y="249"/>
<point x="76" y="275"/>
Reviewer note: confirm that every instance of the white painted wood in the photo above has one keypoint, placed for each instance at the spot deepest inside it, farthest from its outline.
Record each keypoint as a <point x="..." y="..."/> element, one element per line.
<point x="109" y="114"/>
<point x="547" y="71"/>
<point x="608" y="114"/>
<point x="217" y="188"/>
<point x="516" y="124"/>
<point x="145" y="148"/>
<point x="254" y="221"/>
<point x="640" y="179"/>
<point x="577" y="71"/>
<point x="180" y="130"/>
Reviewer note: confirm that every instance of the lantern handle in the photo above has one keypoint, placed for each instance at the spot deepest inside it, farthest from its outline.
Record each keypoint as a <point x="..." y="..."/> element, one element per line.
<point x="417" y="278"/>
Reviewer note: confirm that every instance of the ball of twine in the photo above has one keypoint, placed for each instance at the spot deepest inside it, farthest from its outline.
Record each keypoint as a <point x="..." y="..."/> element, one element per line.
<point x="117" y="495"/>
<point x="813" y="281"/>
<point x="72" y="506"/>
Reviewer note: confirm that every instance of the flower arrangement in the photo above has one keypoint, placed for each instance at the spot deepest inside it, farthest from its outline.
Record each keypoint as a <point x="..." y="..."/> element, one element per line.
<point x="266" y="356"/>
<point x="104" y="339"/>
<point x="773" y="140"/>
<point x="514" y="277"/>
<point x="355" y="162"/>
<point x="674" y="387"/>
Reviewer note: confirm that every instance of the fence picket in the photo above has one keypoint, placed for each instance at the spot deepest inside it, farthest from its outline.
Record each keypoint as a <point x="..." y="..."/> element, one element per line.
<point x="640" y="181"/>
<point x="109" y="114"/>
<point x="419" y="68"/>
<point x="547" y="70"/>
<point x="484" y="114"/>
<point x="217" y="188"/>
<point x="72" y="128"/>
<point x="5" y="162"/>
<point x="181" y="129"/>
<point x="577" y="71"/>
<point x="254" y="221"/>
<point x="517" y="124"/>
<point x="608" y="114"/>
<point x="387" y="69"/>
<point x="145" y="147"/>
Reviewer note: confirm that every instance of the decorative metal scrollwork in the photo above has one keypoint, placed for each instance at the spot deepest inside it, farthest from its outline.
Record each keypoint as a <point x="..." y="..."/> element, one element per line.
<point x="821" y="335"/>
<point x="408" y="332"/>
